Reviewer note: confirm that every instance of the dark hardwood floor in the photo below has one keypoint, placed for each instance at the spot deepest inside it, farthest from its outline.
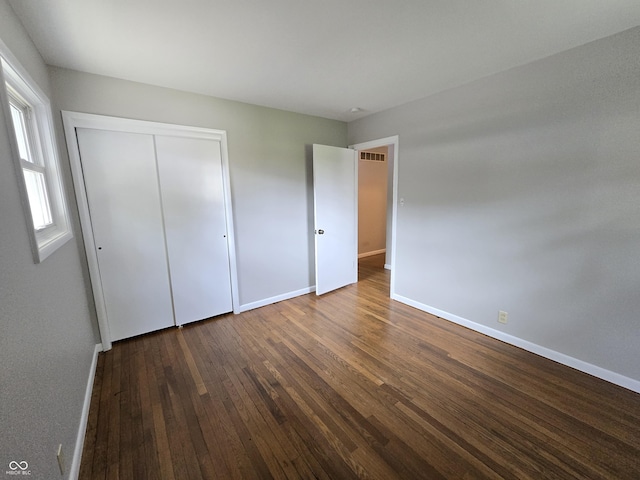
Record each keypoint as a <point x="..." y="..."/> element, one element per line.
<point x="350" y="385"/>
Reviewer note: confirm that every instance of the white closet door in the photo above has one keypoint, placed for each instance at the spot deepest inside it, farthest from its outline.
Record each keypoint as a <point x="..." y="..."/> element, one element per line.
<point x="124" y="202"/>
<point x="190" y="171"/>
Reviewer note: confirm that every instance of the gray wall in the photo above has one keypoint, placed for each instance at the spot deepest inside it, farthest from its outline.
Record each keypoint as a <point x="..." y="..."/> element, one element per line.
<point x="46" y="335"/>
<point x="522" y="193"/>
<point x="270" y="168"/>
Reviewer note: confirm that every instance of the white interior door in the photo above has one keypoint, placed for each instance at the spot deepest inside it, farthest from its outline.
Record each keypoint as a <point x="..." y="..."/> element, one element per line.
<point x="190" y="172"/>
<point x="335" y="194"/>
<point x="124" y="201"/>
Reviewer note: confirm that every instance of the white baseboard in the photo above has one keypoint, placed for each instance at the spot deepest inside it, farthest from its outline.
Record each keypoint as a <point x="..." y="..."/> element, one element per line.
<point x="84" y="417"/>
<point x="371" y="254"/>
<point x="609" y="376"/>
<point x="278" y="298"/>
<point x="387" y="266"/>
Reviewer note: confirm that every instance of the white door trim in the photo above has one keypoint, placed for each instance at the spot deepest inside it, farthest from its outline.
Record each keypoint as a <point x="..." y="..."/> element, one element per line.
<point x="73" y="120"/>
<point x="383" y="142"/>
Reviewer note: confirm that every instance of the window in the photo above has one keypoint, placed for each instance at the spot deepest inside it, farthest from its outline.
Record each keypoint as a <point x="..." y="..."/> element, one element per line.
<point x="30" y="160"/>
<point x="28" y="117"/>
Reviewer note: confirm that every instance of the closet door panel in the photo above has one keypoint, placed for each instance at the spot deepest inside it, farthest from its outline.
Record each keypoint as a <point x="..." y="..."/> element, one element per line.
<point x="190" y="172"/>
<point x="121" y="182"/>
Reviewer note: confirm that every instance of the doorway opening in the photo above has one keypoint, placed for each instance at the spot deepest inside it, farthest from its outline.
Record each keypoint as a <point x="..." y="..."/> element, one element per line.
<point x="373" y="191"/>
<point x="377" y="169"/>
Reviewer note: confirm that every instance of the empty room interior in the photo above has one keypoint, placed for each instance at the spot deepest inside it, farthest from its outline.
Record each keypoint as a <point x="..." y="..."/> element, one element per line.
<point x="320" y="239"/>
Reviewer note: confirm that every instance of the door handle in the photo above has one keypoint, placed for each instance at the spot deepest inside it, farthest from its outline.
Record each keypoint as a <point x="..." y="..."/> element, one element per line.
<point x="320" y="232"/>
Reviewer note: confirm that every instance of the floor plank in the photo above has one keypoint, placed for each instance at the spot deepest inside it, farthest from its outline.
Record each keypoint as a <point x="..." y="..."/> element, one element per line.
<point x="350" y="385"/>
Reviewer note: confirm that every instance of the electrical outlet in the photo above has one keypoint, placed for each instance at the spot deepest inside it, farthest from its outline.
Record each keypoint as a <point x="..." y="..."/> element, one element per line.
<point x="60" y="459"/>
<point x="503" y="317"/>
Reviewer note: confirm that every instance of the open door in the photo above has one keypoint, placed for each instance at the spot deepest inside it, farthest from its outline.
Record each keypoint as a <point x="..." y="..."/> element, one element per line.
<point x="335" y="194"/>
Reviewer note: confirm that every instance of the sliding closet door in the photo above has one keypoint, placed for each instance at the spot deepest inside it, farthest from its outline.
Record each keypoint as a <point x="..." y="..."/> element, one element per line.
<point x="190" y="171"/>
<point x="124" y="202"/>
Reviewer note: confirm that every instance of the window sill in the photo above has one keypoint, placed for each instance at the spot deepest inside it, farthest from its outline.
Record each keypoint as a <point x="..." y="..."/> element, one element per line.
<point x="49" y="241"/>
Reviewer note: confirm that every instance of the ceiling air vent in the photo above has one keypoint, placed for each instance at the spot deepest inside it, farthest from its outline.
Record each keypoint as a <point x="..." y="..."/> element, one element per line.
<point x="373" y="157"/>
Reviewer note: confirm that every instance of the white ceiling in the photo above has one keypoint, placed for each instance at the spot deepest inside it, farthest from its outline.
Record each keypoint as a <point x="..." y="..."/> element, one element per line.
<point x="320" y="57"/>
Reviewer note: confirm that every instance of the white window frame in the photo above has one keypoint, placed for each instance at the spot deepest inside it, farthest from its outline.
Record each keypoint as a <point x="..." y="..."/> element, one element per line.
<point x="26" y="93"/>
